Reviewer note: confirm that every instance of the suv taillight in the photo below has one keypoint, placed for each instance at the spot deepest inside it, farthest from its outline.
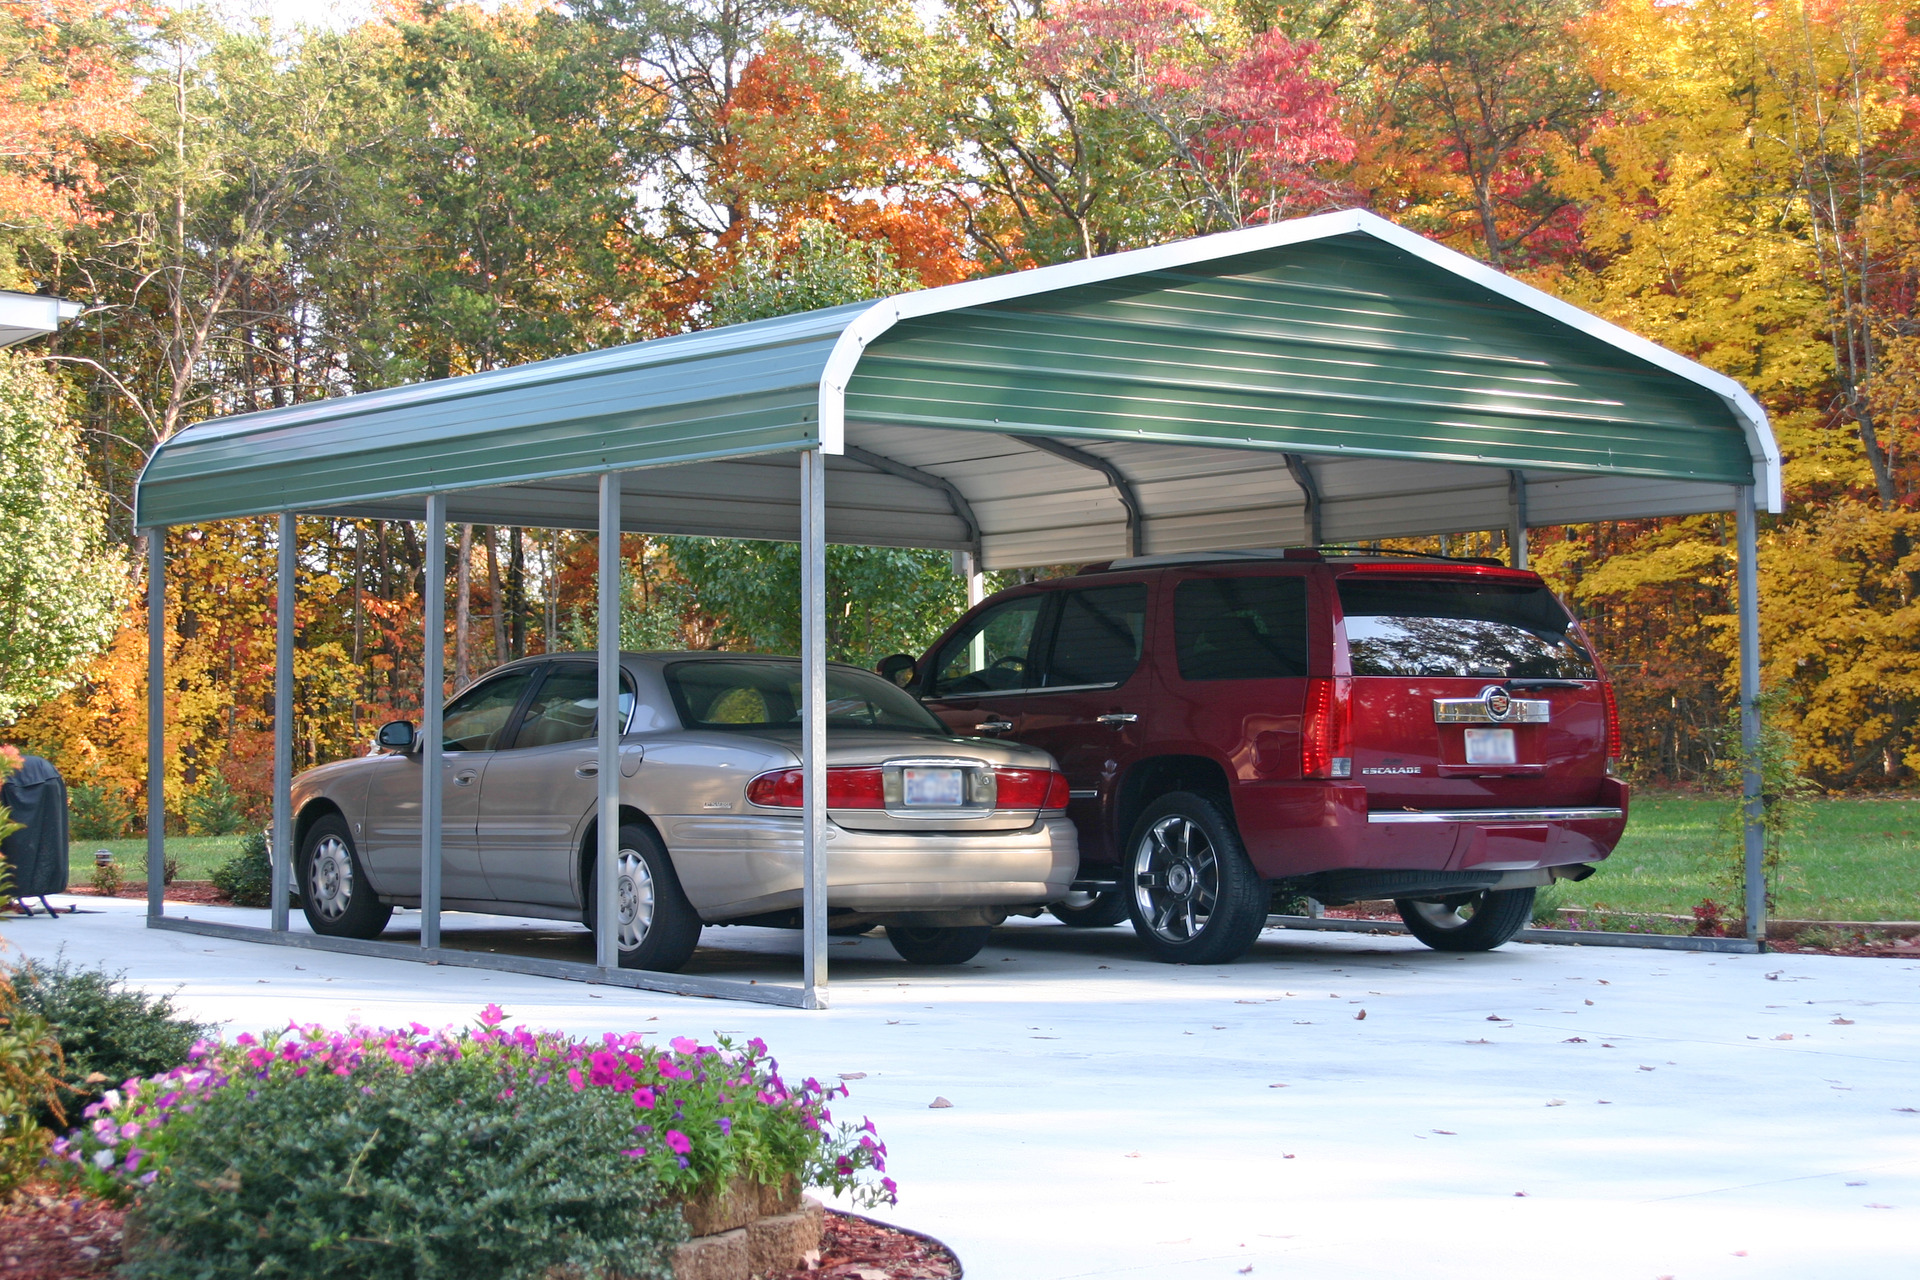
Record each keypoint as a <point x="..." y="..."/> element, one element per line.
<point x="1613" y="725"/>
<point x="1326" y="730"/>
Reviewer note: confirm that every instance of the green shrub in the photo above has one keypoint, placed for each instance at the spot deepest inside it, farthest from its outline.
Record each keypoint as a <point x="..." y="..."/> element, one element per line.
<point x="479" y="1154"/>
<point x="213" y="808"/>
<point x="455" y="1169"/>
<point x="247" y="877"/>
<point x="100" y="812"/>
<point x="29" y="1086"/>
<point x="108" y="878"/>
<point x="169" y="868"/>
<point x="108" y="1033"/>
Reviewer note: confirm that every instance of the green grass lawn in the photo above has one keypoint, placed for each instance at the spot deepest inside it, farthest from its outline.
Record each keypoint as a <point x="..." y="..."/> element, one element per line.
<point x="198" y="856"/>
<point x="1849" y="860"/>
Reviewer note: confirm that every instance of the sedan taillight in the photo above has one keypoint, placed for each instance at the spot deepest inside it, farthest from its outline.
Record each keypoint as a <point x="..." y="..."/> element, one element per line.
<point x="864" y="787"/>
<point x="1326" y="730"/>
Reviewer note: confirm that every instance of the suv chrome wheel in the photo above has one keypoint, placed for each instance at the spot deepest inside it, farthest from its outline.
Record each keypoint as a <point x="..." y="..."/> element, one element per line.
<point x="330" y="878"/>
<point x="1176" y="879"/>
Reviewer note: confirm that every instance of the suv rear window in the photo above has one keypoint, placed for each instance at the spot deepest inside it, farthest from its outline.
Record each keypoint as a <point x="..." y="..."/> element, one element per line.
<point x="1240" y="628"/>
<point x="1460" y="628"/>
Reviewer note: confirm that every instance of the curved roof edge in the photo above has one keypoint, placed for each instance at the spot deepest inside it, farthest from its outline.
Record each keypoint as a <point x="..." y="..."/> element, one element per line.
<point x="885" y="313"/>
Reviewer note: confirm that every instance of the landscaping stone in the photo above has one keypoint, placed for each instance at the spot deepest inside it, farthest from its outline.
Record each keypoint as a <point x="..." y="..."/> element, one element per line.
<point x="715" y="1257"/>
<point x="782" y="1241"/>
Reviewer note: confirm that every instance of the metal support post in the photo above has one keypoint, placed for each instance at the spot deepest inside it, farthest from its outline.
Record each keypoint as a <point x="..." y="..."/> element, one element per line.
<point x="813" y="723"/>
<point x="1517" y="535"/>
<point x="967" y="569"/>
<point x="606" y="905"/>
<point x="433" y="695"/>
<point x="1747" y="574"/>
<point x="156" y="721"/>
<point x="283" y="721"/>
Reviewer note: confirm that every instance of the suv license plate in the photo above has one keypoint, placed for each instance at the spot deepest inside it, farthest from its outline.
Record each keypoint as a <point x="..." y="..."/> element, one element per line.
<point x="942" y="787"/>
<point x="1491" y="746"/>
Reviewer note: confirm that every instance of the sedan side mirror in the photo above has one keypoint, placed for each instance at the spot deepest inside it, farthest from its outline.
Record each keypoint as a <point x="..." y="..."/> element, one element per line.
<point x="897" y="668"/>
<point x="396" y="735"/>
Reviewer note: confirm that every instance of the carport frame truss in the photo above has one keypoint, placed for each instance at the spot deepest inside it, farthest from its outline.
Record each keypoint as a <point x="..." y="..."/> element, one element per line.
<point x="781" y="387"/>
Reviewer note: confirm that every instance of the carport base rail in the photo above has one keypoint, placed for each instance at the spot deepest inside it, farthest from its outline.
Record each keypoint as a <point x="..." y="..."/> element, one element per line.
<point x="639" y="979"/>
<point x="1558" y="937"/>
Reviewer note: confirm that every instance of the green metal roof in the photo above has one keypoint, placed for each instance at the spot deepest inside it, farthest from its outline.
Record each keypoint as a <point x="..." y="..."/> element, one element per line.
<point x="1019" y="412"/>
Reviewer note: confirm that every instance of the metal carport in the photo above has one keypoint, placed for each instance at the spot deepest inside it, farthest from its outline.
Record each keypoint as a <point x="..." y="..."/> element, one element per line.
<point x="1329" y="379"/>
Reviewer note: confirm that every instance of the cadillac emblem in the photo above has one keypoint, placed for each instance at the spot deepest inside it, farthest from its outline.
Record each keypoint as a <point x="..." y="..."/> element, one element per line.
<point x="1499" y="703"/>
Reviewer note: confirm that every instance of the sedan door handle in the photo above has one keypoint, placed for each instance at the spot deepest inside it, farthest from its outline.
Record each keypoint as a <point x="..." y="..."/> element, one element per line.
<point x="587" y="771"/>
<point x="464" y="779"/>
<point x="1114" y="719"/>
<point x="994" y="726"/>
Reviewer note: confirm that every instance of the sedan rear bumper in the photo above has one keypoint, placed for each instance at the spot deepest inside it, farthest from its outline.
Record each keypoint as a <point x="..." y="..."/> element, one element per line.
<point x="748" y="864"/>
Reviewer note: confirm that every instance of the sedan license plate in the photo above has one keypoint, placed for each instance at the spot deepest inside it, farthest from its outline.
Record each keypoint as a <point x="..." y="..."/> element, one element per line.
<point x="933" y="787"/>
<point x="1491" y="746"/>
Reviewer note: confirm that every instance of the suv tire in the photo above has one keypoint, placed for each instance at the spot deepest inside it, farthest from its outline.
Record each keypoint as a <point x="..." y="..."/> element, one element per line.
<point x="1090" y="910"/>
<point x="1497" y="915"/>
<point x="1193" y="893"/>
<point x="933" y="944"/>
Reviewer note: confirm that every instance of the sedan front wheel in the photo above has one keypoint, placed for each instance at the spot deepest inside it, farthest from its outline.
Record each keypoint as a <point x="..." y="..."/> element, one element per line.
<point x="334" y="893"/>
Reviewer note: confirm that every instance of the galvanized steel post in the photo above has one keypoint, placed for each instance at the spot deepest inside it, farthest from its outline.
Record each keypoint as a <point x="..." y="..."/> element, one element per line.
<point x="1517" y="534"/>
<point x="156" y="720"/>
<point x="813" y="724"/>
<point x="606" y="905"/>
<point x="1747" y="573"/>
<point x="283" y="722"/>
<point x="433" y="695"/>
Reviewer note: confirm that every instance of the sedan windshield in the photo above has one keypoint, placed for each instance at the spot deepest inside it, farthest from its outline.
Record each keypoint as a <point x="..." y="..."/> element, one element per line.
<point x="753" y="694"/>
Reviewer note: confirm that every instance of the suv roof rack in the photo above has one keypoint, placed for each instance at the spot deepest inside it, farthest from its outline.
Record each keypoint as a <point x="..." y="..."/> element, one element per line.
<point x="1283" y="553"/>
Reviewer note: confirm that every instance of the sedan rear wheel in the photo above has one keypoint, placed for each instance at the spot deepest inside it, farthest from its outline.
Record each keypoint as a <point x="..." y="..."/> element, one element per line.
<point x="658" y="928"/>
<point x="1196" y="898"/>
<point x="1468" y="921"/>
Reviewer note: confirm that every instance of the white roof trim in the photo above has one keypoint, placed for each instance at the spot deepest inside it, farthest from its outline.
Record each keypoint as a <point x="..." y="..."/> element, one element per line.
<point x="887" y="312"/>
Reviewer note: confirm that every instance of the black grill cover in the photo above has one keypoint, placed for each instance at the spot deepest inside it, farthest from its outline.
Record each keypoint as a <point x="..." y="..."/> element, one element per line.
<point x="36" y="798"/>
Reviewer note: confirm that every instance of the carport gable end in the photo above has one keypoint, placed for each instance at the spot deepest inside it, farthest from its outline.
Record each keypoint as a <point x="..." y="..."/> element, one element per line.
<point x="1334" y="337"/>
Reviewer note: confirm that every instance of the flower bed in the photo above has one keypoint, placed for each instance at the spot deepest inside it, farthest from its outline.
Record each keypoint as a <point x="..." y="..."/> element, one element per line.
<point x="477" y="1153"/>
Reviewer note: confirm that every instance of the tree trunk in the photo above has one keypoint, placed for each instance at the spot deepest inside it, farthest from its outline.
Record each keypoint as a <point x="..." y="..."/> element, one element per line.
<point x="493" y="584"/>
<point x="463" y="611"/>
<point x="516" y="593"/>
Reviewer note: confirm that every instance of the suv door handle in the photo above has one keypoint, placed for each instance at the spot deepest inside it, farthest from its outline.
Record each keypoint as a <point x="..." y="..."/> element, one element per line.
<point x="994" y="726"/>
<point x="1114" y="719"/>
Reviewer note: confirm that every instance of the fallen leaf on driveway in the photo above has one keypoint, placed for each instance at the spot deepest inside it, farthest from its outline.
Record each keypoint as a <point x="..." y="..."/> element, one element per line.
<point x="1519" y="1193"/>
<point x="1879" y="1206"/>
<point x="937" y="1104"/>
<point x="1574" y="1040"/>
<point x="1494" y="1017"/>
<point x="1360" y="1016"/>
<point x="1478" y="1042"/>
<point x="1248" y="1269"/>
<point x="1841" y="1022"/>
<point x="1286" y="1155"/>
<point x="1589" y="1002"/>
<point x="1446" y="1133"/>
<point x="1557" y="1102"/>
<point x="1909" y="1110"/>
<point x="853" y="1075"/>
<point x="1784" y="1035"/>
<point x="1276" y="1086"/>
<point x="1133" y="1155"/>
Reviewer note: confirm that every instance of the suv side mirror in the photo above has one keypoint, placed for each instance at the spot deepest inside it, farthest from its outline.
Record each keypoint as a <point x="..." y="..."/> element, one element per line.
<point x="396" y="735"/>
<point x="897" y="668"/>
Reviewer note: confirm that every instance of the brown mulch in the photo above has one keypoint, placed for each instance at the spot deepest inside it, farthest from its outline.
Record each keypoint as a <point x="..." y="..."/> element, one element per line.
<point x="191" y="892"/>
<point x="48" y="1235"/>
<point x="858" y="1249"/>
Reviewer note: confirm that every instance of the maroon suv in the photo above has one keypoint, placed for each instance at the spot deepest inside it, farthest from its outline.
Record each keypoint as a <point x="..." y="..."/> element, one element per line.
<point x="1341" y="726"/>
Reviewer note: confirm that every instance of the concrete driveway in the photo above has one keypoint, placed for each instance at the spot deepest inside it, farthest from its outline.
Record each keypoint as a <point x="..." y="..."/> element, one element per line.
<point x="1537" y="1111"/>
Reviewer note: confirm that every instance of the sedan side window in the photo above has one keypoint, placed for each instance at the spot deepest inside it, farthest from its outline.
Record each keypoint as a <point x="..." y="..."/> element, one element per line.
<point x="1098" y="637"/>
<point x="567" y="706"/>
<point x="993" y="653"/>
<point x="473" y="721"/>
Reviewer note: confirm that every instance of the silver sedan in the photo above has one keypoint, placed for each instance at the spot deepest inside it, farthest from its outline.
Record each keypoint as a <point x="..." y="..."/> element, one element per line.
<point x="936" y="837"/>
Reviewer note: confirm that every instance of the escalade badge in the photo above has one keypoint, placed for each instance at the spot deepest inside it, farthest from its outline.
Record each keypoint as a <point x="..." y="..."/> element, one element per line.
<point x="1499" y="702"/>
<point x="1411" y="768"/>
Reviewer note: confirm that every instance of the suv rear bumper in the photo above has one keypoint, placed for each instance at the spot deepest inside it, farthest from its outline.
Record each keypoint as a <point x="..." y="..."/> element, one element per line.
<point x="1300" y="828"/>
